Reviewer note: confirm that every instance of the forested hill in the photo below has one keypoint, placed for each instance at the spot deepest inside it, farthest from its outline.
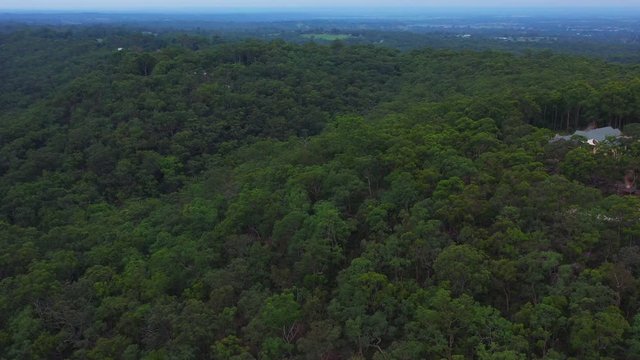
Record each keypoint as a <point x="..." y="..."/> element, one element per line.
<point x="190" y="198"/>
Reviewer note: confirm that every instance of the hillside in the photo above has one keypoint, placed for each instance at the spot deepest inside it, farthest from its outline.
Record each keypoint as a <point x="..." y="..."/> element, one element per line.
<point x="196" y="198"/>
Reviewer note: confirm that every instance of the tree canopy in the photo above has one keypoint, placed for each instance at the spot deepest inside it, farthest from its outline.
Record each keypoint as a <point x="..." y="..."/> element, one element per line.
<point x="201" y="199"/>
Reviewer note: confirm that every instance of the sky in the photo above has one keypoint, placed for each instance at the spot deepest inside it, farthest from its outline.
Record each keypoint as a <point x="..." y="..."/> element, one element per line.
<point x="264" y="4"/>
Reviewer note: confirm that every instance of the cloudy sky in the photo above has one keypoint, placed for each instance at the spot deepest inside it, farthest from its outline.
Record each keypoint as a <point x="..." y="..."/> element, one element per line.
<point x="213" y="4"/>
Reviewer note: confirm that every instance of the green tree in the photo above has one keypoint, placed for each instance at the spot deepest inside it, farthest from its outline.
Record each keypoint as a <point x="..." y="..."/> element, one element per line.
<point x="464" y="268"/>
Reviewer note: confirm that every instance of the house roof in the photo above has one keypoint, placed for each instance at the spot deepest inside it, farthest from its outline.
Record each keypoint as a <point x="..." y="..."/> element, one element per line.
<point x="599" y="134"/>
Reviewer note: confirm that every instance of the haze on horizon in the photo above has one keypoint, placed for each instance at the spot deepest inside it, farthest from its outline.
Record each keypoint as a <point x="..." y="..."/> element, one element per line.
<point x="151" y="5"/>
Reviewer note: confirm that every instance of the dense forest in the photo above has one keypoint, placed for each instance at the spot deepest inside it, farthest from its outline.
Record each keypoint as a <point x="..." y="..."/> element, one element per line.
<point x="192" y="197"/>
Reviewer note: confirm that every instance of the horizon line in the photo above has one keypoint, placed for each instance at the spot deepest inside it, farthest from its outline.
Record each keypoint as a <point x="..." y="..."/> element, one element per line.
<point x="287" y="8"/>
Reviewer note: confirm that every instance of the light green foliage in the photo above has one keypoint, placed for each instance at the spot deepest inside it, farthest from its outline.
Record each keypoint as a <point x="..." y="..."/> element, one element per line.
<point x="326" y="37"/>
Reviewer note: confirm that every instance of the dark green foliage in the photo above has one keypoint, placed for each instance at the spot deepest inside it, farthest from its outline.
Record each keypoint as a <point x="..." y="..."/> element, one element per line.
<point x="276" y="201"/>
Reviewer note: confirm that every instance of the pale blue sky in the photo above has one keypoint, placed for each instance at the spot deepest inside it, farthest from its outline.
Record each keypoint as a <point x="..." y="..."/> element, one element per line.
<point x="213" y="4"/>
